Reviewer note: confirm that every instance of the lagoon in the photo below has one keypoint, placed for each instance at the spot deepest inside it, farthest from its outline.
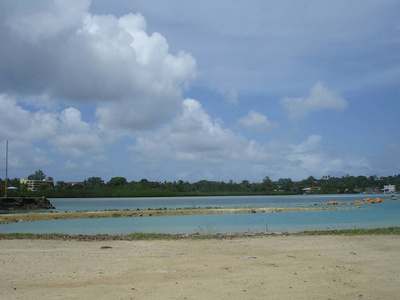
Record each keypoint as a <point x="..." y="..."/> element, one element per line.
<point x="370" y="216"/>
<point x="91" y="204"/>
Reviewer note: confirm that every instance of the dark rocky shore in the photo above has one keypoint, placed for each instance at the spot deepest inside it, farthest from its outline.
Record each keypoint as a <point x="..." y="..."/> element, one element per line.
<point x="24" y="203"/>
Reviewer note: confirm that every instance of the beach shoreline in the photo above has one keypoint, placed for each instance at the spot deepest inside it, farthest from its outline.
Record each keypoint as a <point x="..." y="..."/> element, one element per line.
<point x="273" y="267"/>
<point x="54" y="215"/>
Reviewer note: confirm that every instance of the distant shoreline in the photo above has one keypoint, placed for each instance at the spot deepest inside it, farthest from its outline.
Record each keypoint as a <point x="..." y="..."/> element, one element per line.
<point x="44" y="216"/>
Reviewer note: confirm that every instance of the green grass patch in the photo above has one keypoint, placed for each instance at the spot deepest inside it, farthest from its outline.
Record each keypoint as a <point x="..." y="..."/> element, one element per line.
<point x="195" y="236"/>
<point x="355" y="231"/>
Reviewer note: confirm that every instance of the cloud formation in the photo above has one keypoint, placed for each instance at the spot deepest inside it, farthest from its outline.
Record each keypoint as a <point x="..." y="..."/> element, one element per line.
<point x="15" y="121"/>
<point x="255" y="121"/>
<point x="319" y="99"/>
<point x="75" y="138"/>
<point x="65" y="133"/>
<point x="75" y="56"/>
<point x="81" y="82"/>
<point x="25" y="129"/>
<point x="211" y="151"/>
<point x="192" y="137"/>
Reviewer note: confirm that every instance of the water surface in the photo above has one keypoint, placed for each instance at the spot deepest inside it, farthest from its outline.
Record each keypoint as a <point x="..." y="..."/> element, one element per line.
<point x="371" y="216"/>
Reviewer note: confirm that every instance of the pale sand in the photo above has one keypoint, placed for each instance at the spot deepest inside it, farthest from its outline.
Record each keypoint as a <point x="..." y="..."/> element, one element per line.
<point x="273" y="267"/>
<point x="43" y="216"/>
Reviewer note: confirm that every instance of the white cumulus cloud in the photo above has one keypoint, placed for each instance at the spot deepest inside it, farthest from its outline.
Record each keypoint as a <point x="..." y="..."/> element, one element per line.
<point x="18" y="122"/>
<point x="192" y="136"/>
<point x="59" y="50"/>
<point x="72" y="118"/>
<point x="78" y="87"/>
<point x="255" y="121"/>
<point x="75" y="137"/>
<point x="39" y="20"/>
<point x="319" y="99"/>
<point x="66" y="133"/>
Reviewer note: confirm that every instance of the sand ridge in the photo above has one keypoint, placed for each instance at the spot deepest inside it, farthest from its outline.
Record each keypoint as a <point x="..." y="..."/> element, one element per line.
<point x="43" y="216"/>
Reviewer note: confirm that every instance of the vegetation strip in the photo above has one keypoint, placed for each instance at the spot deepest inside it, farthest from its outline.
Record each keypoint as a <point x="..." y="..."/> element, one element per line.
<point x="196" y="236"/>
<point x="43" y="185"/>
<point x="44" y="216"/>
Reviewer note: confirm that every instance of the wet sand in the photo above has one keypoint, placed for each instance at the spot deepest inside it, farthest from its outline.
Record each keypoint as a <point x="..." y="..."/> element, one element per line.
<point x="269" y="267"/>
<point x="42" y="216"/>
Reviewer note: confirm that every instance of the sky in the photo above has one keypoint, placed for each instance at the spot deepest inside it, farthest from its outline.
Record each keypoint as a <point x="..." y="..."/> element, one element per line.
<point x="208" y="90"/>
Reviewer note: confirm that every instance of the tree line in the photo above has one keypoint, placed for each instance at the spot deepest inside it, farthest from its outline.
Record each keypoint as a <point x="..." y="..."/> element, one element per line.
<point x="120" y="187"/>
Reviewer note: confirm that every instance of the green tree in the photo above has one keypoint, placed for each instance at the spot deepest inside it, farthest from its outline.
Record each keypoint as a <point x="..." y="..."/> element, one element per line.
<point x="246" y="184"/>
<point x="285" y="183"/>
<point x="61" y="185"/>
<point x="267" y="184"/>
<point x="44" y="186"/>
<point x="267" y="180"/>
<point x="117" y="181"/>
<point x="93" y="182"/>
<point x="311" y="180"/>
<point x="38" y="175"/>
<point x="14" y="182"/>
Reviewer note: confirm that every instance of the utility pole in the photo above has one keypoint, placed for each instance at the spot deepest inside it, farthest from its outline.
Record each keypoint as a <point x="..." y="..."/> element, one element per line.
<point x="5" y="181"/>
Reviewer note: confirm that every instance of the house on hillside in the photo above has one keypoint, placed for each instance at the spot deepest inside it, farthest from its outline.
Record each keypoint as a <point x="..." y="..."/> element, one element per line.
<point x="389" y="189"/>
<point x="308" y="190"/>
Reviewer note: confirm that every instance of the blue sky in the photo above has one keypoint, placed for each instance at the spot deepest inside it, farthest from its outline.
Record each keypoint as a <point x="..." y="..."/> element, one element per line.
<point x="216" y="90"/>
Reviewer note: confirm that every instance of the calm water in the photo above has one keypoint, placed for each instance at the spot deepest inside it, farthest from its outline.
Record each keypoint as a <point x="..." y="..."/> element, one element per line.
<point x="372" y="216"/>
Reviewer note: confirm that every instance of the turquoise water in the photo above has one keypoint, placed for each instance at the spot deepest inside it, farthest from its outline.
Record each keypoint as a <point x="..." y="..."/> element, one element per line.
<point x="371" y="216"/>
<point x="90" y="204"/>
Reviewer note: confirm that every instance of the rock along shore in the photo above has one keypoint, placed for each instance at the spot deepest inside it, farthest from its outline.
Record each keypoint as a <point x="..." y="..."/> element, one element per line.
<point x="24" y="203"/>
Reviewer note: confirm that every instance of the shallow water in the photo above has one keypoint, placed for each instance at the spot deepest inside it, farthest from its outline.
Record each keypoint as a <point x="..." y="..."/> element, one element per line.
<point x="90" y="204"/>
<point x="370" y="216"/>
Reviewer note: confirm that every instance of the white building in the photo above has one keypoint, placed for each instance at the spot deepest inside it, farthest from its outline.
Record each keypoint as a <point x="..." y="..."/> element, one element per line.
<point x="32" y="185"/>
<point x="388" y="189"/>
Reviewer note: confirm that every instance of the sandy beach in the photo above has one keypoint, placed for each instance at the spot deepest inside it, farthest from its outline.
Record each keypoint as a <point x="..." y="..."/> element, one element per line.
<point x="43" y="216"/>
<point x="270" y="267"/>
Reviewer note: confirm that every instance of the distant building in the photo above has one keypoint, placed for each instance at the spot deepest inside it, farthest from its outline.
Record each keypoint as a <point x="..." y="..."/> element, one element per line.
<point x="390" y="188"/>
<point x="75" y="183"/>
<point x="32" y="185"/>
<point x="308" y="190"/>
